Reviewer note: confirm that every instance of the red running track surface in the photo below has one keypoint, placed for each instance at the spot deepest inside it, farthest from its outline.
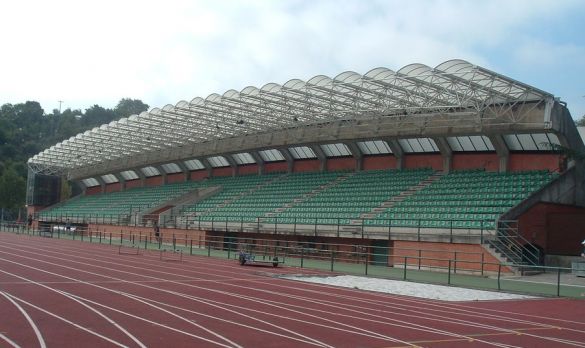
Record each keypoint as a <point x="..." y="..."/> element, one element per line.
<point x="62" y="293"/>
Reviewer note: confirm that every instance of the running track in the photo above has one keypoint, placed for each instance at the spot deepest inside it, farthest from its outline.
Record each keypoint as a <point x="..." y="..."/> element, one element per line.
<point x="62" y="293"/>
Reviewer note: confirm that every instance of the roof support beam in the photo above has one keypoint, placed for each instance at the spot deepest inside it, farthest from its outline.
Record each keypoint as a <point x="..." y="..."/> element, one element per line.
<point x="502" y="151"/>
<point x="290" y="161"/>
<point x="321" y="156"/>
<point x="397" y="152"/>
<point x="259" y="161"/>
<point x="233" y="164"/>
<point x="208" y="166"/>
<point x="446" y="152"/>
<point x="121" y="180"/>
<point x="141" y="176"/>
<point x="356" y="153"/>
<point x="162" y="172"/>
<point x="101" y="182"/>
<point x="184" y="169"/>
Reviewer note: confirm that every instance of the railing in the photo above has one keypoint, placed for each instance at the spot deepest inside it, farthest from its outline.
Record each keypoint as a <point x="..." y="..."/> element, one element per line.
<point x="457" y="269"/>
<point x="417" y="228"/>
<point x="514" y="246"/>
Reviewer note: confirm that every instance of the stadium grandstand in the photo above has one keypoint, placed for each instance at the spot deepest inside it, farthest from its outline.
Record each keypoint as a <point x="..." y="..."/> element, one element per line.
<point x="455" y="157"/>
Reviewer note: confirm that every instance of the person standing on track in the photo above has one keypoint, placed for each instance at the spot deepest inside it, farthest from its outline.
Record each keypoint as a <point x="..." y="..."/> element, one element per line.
<point x="156" y="229"/>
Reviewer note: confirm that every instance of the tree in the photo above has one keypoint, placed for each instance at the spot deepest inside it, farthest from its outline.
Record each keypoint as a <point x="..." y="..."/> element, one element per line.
<point x="127" y="107"/>
<point x="581" y="122"/>
<point x="12" y="189"/>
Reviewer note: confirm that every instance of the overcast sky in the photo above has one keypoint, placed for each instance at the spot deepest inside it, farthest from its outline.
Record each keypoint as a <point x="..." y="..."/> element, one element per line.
<point x="97" y="52"/>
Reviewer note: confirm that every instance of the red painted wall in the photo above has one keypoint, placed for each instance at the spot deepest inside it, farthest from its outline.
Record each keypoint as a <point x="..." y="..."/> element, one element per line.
<point x="248" y="169"/>
<point x="198" y="175"/>
<point x="154" y="181"/>
<point x="438" y="254"/>
<point x="93" y="190"/>
<point x="488" y="161"/>
<point x="434" y="161"/>
<point x="379" y="162"/>
<point x="223" y="171"/>
<point x="114" y="187"/>
<point x="133" y="183"/>
<point x="558" y="229"/>
<point x="175" y="177"/>
<point x="271" y="167"/>
<point x="344" y="163"/>
<point x="533" y="161"/>
<point x="310" y="165"/>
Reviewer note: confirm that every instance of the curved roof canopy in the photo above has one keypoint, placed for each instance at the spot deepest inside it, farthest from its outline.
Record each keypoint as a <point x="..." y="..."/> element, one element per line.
<point x="451" y="86"/>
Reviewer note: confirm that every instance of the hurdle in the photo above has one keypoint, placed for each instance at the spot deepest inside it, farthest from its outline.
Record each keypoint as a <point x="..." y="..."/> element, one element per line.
<point x="171" y="255"/>
<point x="133" y="249"/>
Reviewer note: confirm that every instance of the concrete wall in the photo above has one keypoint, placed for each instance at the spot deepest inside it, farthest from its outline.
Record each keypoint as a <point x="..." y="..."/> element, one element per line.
<point x="437" y="255"/>
<point x="308" y="165"/>
<point x="488" y="161"/>
<point x="271" y="167"/>
<point x="412" y="161"/>
<point x="175" y="177"/>
<point x="93" y="190"/>
<point x="153" y="181"/>
<point x="533" y="161"/>
<point x="114" y="187"/>
<point x="379" y="162"/>
<point x="198" y="175"/>
<point x="248" y="169"/>
<point x="558" y="229"/>
<point x="343" y="163"/>
<point x="223" y="171"/>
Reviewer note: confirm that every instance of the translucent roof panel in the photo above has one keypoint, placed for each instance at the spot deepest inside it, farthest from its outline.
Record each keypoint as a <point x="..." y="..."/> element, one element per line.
<point x="129" y="175"/>
<point x="418" y="145"/>
<point x="171" y="168"/>
<point x="272" y="155"/>
<point x="531" y="142"/>
<point x="302" y="152"/>
<point x="90" y="182"/>
<point x="150" y="171"/>
<point x="218" y="161"/>
<point x="243" y="158"/>
<point x="381" y="92"/>
<point x="194" y="164"/>
<point x="109" y="178"/>
<point x="470" y="143"/>
<point x="375" y="147"/>
<point x="335" y="150"/>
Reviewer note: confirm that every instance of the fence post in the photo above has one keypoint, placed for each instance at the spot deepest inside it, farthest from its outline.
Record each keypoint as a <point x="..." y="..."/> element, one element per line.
<point x="366" y="260"/>
<point x="558" y="282"/>
<point x="405" y="263"/>
<point x="449" y="274"/>
<point x="332" y="259"/>
<point x="482" y="261"/>
<point x="455" y="264"/>
<point x="190" y="247"/>
<point x="499" y="273"/>
<point x="302" y="256"/>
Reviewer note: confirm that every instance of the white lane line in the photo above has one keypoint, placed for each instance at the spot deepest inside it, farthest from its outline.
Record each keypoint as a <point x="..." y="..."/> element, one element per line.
<point x="150" y="287"/>
<point x="68" y="321"/>
<point x="9" y="341"/>
<point x="360" y="330"/>
<point x="356" y="330"/>
<point x="28" y="318"/>
<point x="492" y="327"/>
<point x="79" y="299"/>
<point x="63" y="293"/>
